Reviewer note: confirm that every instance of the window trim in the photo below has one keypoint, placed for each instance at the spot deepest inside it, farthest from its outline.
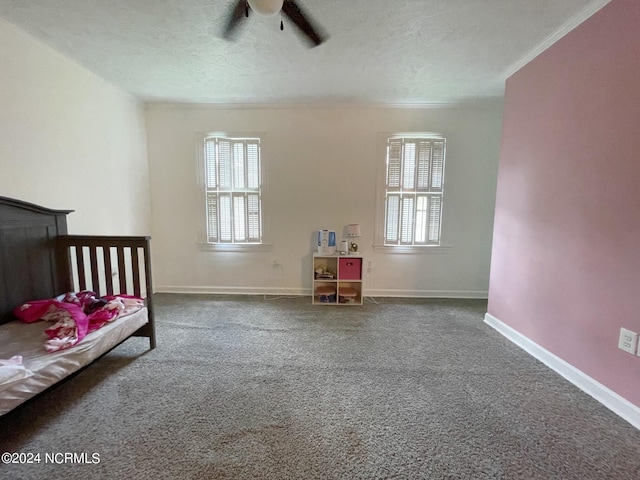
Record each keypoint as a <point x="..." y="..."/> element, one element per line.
<point x="202" y="237"/>
<point x="379" y="245"/>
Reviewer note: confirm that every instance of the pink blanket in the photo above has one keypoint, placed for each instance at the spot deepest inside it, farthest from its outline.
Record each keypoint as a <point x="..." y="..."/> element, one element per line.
<point x="76" y="315"/>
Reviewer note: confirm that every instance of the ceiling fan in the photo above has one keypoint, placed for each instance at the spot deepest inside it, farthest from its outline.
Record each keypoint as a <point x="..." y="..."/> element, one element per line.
<point x="268" y="8"/>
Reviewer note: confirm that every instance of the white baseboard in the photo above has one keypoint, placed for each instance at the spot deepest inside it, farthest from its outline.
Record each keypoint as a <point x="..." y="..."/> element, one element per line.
<point x="610" y="399"/>
<point x="231" y="290"/>
<point x="472" y="294"/>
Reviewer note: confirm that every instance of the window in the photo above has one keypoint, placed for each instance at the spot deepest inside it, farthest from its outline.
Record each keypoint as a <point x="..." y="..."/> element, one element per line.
<point x="233" y="190"/>
<point x="413" y="190"/>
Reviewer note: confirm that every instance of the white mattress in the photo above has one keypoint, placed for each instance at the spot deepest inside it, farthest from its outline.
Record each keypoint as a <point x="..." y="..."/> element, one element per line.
<point x="42" y="369"/>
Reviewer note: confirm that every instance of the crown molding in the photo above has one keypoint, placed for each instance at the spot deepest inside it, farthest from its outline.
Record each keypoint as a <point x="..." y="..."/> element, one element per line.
<point x="568" y="26"/>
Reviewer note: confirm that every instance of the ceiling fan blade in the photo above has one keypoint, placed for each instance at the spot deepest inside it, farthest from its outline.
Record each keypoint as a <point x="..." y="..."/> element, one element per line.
<point x="234" y="19"/>
<point x="302" y="20"/>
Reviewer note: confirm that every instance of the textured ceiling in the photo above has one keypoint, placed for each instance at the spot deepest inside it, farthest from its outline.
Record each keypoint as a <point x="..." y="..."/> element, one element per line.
<point x="378" y="51"/>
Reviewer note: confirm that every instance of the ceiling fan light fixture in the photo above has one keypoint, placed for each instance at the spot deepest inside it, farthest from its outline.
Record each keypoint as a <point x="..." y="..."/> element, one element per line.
<point x="266" y="8"/>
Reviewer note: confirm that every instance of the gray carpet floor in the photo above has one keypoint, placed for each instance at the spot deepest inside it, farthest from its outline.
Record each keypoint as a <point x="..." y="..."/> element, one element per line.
<point x="241" y="387"/>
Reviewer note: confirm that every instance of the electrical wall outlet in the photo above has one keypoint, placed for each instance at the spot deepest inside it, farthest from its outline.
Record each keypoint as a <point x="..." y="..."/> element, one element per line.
<point x="628" y="341"/>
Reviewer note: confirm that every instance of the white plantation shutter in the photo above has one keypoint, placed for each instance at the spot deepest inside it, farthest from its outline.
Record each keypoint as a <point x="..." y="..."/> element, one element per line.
<point x="224" y="164"/>
<point x="212" y="218"/>
<point x="406" y="221"/>
<point x="253" y="217"/>
<point x="253" y="166"/>
<point x="414" y="188"/>
<point x="239" y="217"/>
<point x="393" y="217"/>
<point x="424" y="155"/>
<point x="225" y="218"/>
<point x="422" y="219"/>
<point x="435" y="217"/>
<point x="233" y="190"/>
<point x="211" y="167"/>
<point x="409" y="166"/>
<point x="394" y="163"/>
<point x="239" y="168"/>
<point x="437" y="175"/>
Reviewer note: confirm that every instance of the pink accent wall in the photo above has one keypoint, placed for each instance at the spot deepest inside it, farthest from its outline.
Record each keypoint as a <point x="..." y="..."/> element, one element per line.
<point x="565" y="267"/>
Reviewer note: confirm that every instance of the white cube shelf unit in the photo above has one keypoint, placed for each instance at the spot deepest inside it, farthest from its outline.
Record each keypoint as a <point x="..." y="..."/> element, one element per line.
<point x="337" y="279"/>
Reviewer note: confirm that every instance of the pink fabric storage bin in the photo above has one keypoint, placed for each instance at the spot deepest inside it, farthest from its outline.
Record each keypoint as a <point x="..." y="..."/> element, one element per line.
<point x="350" y="268"/>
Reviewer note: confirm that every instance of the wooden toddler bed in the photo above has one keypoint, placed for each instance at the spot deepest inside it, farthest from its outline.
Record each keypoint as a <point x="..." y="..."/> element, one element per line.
<point x="38" y="261"/>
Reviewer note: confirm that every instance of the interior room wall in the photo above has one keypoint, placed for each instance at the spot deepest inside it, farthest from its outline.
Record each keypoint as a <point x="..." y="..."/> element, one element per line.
<point x="321" y="163"/>
<point x="69" y="140"/>
<point x="566" y="257"/>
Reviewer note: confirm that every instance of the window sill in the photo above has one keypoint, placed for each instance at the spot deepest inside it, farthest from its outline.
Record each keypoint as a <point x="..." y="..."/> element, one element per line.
<point x="235" y="247"/>
<point x="412" y="249"/>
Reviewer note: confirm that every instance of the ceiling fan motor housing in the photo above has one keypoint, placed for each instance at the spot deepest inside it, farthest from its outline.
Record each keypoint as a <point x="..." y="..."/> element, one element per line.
<point x="266" y="8"/>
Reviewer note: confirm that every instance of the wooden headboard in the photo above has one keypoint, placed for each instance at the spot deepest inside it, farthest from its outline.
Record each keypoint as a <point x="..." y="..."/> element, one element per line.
<point x="30" y="266"/>
<point x="38" y="260"/>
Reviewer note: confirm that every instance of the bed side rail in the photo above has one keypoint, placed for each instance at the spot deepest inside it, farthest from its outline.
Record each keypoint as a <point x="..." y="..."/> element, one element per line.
<point x="110" y="266"/>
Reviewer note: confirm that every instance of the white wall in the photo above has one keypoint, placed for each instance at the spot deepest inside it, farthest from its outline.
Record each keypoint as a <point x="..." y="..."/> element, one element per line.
<point x="321" y="166"/>
<point x="69" y="140"/>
